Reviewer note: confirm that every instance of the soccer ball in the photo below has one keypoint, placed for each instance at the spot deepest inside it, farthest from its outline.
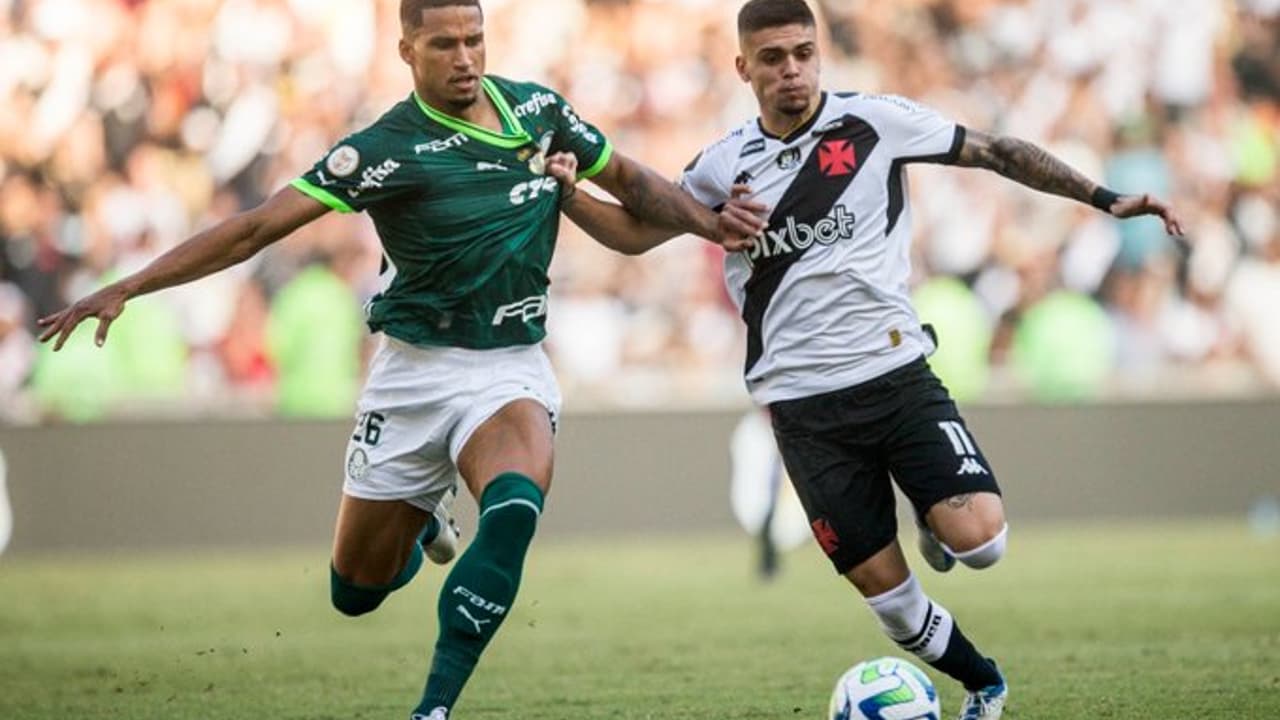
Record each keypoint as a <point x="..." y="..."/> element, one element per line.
<point x="886" y="688"/>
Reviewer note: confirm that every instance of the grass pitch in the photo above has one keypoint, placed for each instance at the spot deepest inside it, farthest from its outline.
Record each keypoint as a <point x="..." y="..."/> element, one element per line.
<point x="1117" y="621"/>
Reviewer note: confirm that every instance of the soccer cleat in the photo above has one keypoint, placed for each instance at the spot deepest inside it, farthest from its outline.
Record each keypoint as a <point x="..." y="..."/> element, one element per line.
<point x="442" y="549"/>
<point x="437" y="714"/>
<point x="938" y="557"/>
<point x="985" y="704"/>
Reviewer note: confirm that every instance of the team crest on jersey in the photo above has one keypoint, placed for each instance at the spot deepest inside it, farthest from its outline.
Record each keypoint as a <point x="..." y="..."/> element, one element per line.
<point x="357" y="464"/>
<point x="836" y="158"/>
<point x="538" y="162"/>
<point x="343" y="161"/>
<point x="788" y="158"/>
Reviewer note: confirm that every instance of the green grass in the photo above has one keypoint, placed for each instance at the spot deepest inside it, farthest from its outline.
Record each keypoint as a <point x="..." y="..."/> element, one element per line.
<point x="1156" y="621"/>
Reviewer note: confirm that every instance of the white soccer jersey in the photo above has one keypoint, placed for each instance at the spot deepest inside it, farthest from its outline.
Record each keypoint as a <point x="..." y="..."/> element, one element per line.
<point x="824" y="292"/>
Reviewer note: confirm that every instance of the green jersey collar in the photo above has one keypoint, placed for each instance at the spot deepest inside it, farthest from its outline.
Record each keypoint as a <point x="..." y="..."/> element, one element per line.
<point x="515" y="135"/>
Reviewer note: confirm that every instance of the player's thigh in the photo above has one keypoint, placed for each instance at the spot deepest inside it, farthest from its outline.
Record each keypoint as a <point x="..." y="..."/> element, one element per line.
<point x="940" y="467"/>
<point x="844" y="489"/>
<point x="510" y="424"/>
<point x="517" y="438"/>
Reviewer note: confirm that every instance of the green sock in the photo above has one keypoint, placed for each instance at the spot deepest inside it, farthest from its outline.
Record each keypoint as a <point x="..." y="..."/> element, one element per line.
<point x="352" y="599"/>
<point x="478" y="593"/>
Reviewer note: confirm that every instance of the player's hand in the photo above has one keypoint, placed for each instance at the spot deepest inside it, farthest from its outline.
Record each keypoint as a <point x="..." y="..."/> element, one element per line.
<point x="1127" y="206"/>
<point x="563" y="166"/>
<point x="105" y="304"/>
<point x="741" y="220"/>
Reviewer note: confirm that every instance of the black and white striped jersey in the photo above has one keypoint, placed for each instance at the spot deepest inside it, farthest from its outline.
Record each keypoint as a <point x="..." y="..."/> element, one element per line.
<point x="824" y="293"/>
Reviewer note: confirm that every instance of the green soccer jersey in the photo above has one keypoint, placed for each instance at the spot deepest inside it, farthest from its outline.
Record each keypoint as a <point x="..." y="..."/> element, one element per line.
<point x="466" y="215"/>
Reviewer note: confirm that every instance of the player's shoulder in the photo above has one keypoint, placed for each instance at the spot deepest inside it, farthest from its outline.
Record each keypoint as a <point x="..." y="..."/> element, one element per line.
<point x="739" y="142"/>
<point x="880" y="103"/>
<point x="403" y="117"/>
<point x="526" y="97"/>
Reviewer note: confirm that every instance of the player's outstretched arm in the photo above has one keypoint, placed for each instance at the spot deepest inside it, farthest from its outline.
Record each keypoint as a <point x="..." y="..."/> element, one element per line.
<point x="1031" y="165"/>
<point x="229" y="242"/>
<point x="653" y="211"/>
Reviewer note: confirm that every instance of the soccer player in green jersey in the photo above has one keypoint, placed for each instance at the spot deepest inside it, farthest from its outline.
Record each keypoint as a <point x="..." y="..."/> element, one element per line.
<point x="455" y="180"/>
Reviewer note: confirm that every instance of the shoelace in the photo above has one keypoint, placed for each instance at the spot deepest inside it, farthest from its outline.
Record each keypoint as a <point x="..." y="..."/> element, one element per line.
<point x="974" y="701"/>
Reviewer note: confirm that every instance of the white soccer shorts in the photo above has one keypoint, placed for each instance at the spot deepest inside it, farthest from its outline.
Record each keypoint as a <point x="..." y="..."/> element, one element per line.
<point x="420" y="406"/>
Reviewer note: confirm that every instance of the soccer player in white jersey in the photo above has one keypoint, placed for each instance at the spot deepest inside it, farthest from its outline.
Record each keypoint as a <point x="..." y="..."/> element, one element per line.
<point x="834" y="347"/>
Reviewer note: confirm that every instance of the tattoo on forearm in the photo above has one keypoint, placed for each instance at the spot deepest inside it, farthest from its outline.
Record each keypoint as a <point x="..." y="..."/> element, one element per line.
<point x="956" y="502"/>
<point x="656" y="201"/>
<point x="1029" y="164"/>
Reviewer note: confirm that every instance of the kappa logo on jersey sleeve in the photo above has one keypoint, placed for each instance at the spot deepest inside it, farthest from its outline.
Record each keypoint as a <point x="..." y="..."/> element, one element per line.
<point x="793" y="236"/>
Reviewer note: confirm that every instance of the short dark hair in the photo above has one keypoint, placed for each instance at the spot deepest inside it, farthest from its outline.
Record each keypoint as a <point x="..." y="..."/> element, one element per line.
<point x="761" y="14"/>
<point x="411" y="10"/>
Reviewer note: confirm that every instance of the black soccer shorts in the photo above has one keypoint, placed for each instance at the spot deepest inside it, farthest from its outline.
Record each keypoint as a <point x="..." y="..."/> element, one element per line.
<point x="840" y="449"/>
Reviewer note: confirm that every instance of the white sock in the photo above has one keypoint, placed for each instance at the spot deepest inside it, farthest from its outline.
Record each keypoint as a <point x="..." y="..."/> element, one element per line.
<point x="919" y="625"/>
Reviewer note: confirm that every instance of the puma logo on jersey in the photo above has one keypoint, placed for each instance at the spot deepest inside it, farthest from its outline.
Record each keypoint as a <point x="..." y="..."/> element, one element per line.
<point x="481" y="166"/>
<point x="795" y="236"/>
<point x="971" y="466"/>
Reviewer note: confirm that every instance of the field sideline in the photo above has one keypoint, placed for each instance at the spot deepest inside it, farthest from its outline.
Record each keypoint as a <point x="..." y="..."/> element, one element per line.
<point x="1155" y="621"/>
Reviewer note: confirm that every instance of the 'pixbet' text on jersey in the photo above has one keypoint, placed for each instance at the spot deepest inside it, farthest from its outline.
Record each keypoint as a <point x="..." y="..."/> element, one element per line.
<point x="794" y="236"/>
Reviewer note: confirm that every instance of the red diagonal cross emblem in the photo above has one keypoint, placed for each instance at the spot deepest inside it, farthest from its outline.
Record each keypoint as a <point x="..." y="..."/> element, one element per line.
<point x="836" y="158"/>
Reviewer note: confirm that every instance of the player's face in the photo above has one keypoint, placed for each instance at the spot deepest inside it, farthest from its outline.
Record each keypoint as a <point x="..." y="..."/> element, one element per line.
<point x="781" y="63"/>
<point x="446" y="54"/>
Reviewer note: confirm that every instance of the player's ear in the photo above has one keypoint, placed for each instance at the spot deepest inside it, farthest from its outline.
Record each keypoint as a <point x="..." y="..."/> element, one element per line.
<point x="406" y="51"/>
<point x="740" y="64"/>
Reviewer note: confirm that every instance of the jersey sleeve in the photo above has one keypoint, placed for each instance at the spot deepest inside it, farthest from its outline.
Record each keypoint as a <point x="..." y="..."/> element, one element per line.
<point x="706" y="178"/>
<point x="917" y="133"/>
<point x="584" y="140"/>
<point x="353" y="176"/>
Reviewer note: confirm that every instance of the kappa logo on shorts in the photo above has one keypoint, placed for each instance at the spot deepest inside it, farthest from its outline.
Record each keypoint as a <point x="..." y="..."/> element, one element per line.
<point x="825" y="535"/>
<point x="357" y="464"/>
<point x="971" y="466"/>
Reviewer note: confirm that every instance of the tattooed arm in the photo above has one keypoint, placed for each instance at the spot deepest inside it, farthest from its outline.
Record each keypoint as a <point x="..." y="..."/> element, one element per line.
<point x="1030" y="165"/>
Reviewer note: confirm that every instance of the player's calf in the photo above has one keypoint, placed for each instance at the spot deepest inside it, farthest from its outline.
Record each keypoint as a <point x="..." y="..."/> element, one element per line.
<point x="478" y="593"/>
<point x="925" y="628"/>
<point x="353" y="600"/>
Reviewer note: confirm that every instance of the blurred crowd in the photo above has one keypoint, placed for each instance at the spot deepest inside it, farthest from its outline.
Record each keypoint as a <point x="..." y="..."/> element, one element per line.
<point x="126" y="125"/>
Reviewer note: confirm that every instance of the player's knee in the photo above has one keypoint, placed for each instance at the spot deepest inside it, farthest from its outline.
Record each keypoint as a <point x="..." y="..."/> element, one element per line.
<point x="987" y="553"/>
<point x="353" y="600"/>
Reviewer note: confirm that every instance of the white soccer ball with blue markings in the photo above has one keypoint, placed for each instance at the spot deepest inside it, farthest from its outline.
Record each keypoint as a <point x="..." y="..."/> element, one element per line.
<point x="886" y="688"/>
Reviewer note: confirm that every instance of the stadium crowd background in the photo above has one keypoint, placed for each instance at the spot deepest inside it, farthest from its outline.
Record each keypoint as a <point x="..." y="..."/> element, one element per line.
<point x="125" y="125"/>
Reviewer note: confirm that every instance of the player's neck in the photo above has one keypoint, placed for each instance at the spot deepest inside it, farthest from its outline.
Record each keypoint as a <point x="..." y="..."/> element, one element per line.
<point x="781" y="124"/>
<point x="482" y="112"/>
